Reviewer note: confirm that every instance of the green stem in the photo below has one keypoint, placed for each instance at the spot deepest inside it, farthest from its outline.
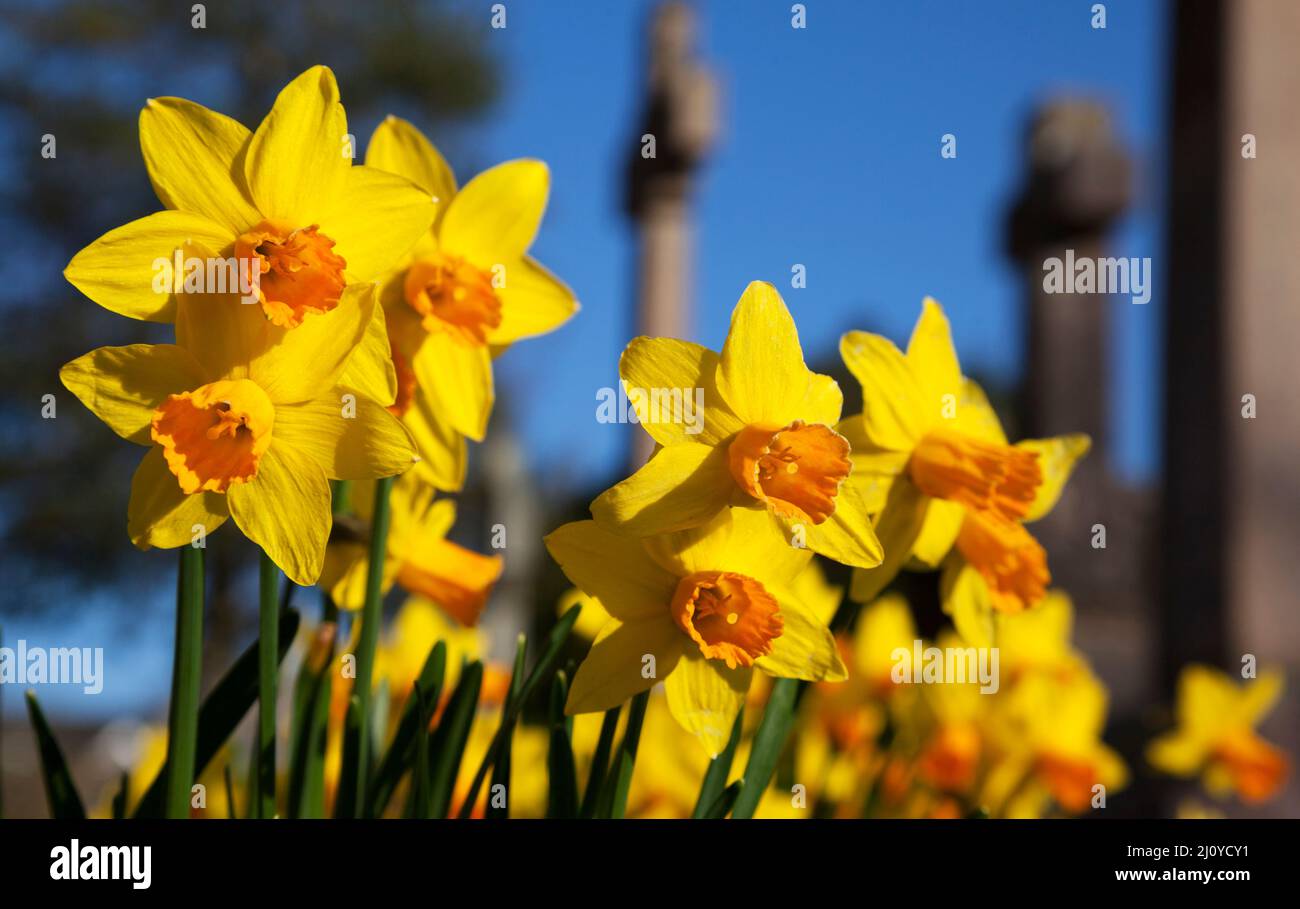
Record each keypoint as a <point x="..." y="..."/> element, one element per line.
<point x="268" y="665"/>
<point x="371" y="616"/>
<point x="778" y="718"/>
<point x="183" y="721"/>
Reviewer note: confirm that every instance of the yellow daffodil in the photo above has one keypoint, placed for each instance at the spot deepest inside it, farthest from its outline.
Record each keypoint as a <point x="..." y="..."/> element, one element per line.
<point x="285" y="198"/>
<point x="1216" y="737"/>
<point x="1038" y="640"/>
<point x="938" y="469"/>
<point x="240" y="426"/>
<point x="699" y="610"/>
<point x="955" y="746"/>
<point x="763" y="437"/>
<point x="1050" y="730"/>
<point x="466" y="291"/>
<point x="419" y="557"/>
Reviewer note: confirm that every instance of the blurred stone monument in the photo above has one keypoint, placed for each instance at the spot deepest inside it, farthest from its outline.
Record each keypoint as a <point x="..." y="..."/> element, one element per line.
<point x="678" y="125"/>
<point x="1231" y="579"/>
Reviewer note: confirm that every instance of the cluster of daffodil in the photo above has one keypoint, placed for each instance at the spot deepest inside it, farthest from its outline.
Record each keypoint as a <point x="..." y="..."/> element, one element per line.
<point x="326" y="404"/>
<point x="335" y="324"/>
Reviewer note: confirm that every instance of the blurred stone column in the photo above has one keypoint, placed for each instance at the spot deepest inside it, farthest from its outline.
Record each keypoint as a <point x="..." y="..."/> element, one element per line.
<point x="1232" y="496"/>
<point x="1078" y="182"/>
<point x="678" y="126"/>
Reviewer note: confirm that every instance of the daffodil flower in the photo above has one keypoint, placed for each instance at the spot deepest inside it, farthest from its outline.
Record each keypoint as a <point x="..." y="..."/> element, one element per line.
<point x="765" y="438"/>
<point x="937" y="468"/>
<point x="419" y="557"/>
<point x="1215" y="736"/>
<point x="1048" y="728"/>
<point x="244" y="419"/>
<point x="285" y="198"/>
<point x="466" y="291"/>
<point x="700" y="610"/>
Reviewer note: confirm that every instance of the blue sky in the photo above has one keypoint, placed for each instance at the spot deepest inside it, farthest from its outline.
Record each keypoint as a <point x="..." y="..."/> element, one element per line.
<point x="829" y="157"/>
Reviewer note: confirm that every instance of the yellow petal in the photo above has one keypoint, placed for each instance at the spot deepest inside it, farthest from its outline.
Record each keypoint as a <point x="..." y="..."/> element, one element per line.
<point x="345" y="573"/>
<point x="285" y="510"/>
<point x="976" y="417"/>
<point x="298" y="159"/>
<point x="874" y="469"/>
<point x="616" y="668"/>
<point x="370" y="369"/>
<point x="897" y="528"/>
<point x="748" y="541"/>
<point x="309" y="359"/>
<point x="591" y="619"/>
<point x="846" y="536"/>
<point x="348" y="435"/>
<point x="1057" y="457"/>
<point x="824" y="401"/>
<point x="458" y="380"/>
<point x="681" y="486"/>
<point x="965" y="598"/>
<point x="664" y="379"/>
<point x="533" y="302"/>
<point x="444" y="457"/>
<point x="375" y="220"/>
<point x="495" y="216"/>
<point x="399" y="148"/>
<point x="763" y="377"/>
<point x="614" y="569"/>
<point x="1177" y="754"/>
<point x="943" y="520"/>
<point x="934" y="362"/>
<point x="892" y="398"/>
<point x="805" y="649"/>
<point x="704" y="697"/>
<point x="195" y="161"/>
<point x="123" y="385"/>
<point x="130" y="269"/>
<point x="159" y="514"/>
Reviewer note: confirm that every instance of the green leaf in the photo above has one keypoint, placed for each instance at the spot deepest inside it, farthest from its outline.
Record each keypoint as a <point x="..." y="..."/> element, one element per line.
<point x="550" y="654"/>
<point x="613" y="801"/>
<point x="356" y="750"/>
<point x="715" y="778"/>
<point x="401" y="752"/>
<point x="448" y="746"/>
<point x="723" y="803"/>
<point x="345" y="796"/>
<point x="65" y="804"/>
<point x="501" y="766"/>
<point x="769" y="741"/>
<point x="562" y="801"/>
<point x="220" y="714"/>
<point x="420" y="804"/>
<point x="307" y="752"/>
<point x="187" y="666"/>
<point x="268" y="666"/>
<point x="600" y="762"/>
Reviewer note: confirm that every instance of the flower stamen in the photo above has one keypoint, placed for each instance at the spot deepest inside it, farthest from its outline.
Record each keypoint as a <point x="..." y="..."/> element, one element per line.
<point x="730" y="616"/>
<point x="796" y="469"/>
<point x="213" y="437"/>
<point x="299" y="272"/>
<point x="452" y="295"/>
